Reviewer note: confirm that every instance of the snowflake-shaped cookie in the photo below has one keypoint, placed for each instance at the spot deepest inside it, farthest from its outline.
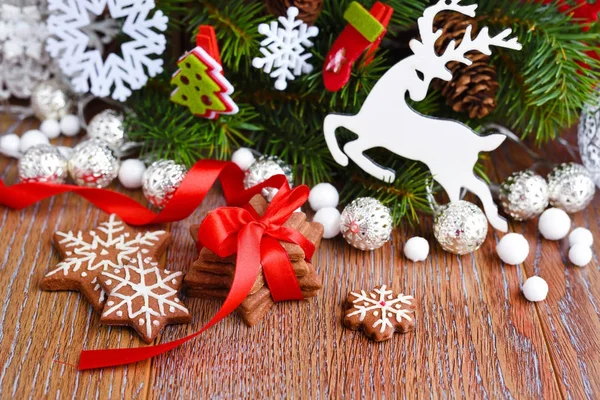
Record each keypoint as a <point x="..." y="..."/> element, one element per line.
<point x="284" y="48"/>
<point x="78" y="50"/>
<point x="143" y="296"/>
<point x="23" y="61"/>
<point x="87" y="254"/>
<point x="380" y="313"/>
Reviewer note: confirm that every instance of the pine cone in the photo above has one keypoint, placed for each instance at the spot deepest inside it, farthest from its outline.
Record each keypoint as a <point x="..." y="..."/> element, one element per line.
<point x="309" y="9"/>
<point x="473" y="88"/>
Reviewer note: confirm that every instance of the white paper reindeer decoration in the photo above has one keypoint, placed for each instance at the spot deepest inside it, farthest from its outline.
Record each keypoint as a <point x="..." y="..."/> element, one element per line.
<point x="449" y="148"/>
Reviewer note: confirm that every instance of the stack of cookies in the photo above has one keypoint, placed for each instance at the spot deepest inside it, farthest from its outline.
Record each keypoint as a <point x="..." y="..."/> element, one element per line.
<point x="211" y="276"/>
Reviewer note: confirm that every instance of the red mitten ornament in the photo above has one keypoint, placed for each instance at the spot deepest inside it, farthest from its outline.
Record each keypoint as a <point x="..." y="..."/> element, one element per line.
<point x="200" y="83"/>
<point x="365" y="30"/>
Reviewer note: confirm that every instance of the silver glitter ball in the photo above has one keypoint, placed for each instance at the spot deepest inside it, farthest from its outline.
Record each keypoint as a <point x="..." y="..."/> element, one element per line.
<point x="570" y="187"/>
<point x="264" y="168"/>
<point x="588" y="138"/>
<point x="161" y="180"/>
<point x="43" y="163"/>
<point x="460" y="227"/>
<point x="524" y="195"/>
<point x="107" y="126"/>
<point x="366" y="223"/>
<point x="51" y="100"/>
<point x="93" y="164"/>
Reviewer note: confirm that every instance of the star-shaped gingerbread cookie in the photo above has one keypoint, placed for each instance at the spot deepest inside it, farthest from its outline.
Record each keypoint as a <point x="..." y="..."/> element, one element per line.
<point x="86" y="254"/>
<point x="143" y="296"/>
<point x="380" y="313"/>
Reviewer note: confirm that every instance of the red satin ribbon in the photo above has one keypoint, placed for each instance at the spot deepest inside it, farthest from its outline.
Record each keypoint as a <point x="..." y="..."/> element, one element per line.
<point x="225" y="231"/>
<point x="192" y="191"/>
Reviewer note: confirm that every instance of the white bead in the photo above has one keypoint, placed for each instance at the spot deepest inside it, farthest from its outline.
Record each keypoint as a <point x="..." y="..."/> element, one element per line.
<point x="243" y="157"/>
<point x="69" y="125"/>
<point x="32" y="138"/>
<point x="50" y="128"/>
<point x="535" y="289"/>
<point x="554" y="224"/>
<point x="416" y="249"/>
<point x="580" y="254"/>
<point x="10" y="145"/>
<point x="323" y="195"/>
<point x="513" y="249"/>
<point x="581" y="236"/>
<point x="131" y="173"/>
<point x="329" y="217"/>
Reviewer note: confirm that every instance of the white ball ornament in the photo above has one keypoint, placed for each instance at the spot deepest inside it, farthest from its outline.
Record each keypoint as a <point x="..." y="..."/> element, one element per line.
<point x="69" y="125"/>
<point x="323" y="195"/>
<point x="581" y="236"/>
<point x="580" y="255"/>
<point x="513" y="249"/>
<point x="329" y="217"/>
<point x="535" y="289"/>
<point x="32" y="138"/>
<point x="131" y="173"/>
<point x="416" y="249"/>
<point x="554" y="224"/>
<point x="50" y="128"/>
<point x="243" y="157"/>
<point x="10" y="145"/>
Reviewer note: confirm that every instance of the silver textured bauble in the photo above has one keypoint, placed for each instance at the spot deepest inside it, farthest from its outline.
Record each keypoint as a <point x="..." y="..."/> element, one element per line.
<point x="460" y="227"/>
<point x="107" y="126"/>
<point x="51" y="100"/>
<point x="366" y="223"/>
<point x="588" y="137"/>
<point x="524" y="195"/>
<point x="264" y="168"/>
<point x="161" y="180"/>
<point x="93" y="164"/>
<point x="43" y="163"/>
<point x="570" y="187"/>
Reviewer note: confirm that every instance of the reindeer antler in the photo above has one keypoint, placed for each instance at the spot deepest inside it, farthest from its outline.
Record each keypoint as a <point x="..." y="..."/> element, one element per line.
<point x="425" y="23"/>
<point x="481" y="43"/>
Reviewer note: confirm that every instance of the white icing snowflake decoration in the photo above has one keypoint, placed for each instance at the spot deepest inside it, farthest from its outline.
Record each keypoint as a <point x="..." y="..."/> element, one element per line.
<point x="283" y="48"/>
<point x="23" y="60"/>
<point x="143" y="294"/>
<point x="78" y="49"/>
<point x="382" y="304"/>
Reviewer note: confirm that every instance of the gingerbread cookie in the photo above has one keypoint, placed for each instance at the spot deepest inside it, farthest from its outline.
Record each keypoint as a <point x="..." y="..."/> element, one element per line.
<point x="380" y="313"/>
<point x="86" y="254"/>
<point x="143" y="296"/>
<point x="211" y="276"/>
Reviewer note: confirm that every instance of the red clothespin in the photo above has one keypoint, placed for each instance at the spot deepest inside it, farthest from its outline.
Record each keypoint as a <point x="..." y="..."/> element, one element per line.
<point x="207" y="39"/>
<point x="364" y="31"/>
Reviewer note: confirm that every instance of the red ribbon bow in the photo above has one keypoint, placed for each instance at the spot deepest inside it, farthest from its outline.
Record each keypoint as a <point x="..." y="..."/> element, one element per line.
<point x="255" y="239"/>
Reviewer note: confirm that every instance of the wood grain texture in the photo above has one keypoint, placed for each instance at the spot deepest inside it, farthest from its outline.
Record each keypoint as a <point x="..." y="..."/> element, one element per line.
<point x="476" y="336"/>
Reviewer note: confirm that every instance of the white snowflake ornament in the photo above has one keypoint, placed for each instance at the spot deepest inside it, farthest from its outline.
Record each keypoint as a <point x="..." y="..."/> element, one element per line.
<point x="78" y="46"/>
<point x="284" y="48"/>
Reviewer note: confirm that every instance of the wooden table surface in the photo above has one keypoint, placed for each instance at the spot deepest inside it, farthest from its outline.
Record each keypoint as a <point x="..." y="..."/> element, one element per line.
<point x="476" y="336"/>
